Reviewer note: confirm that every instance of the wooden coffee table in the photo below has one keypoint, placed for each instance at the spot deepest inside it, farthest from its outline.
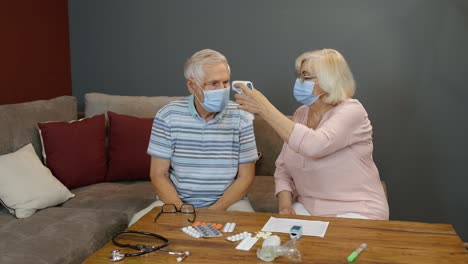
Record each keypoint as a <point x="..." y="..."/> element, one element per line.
<point x="388" y="241"/>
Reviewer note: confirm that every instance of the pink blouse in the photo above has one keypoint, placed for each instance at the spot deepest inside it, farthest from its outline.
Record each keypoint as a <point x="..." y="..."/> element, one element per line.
<point x="331" y="168"/>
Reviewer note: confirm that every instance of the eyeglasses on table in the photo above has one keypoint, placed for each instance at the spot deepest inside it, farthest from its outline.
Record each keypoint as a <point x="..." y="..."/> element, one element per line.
<point x="172" y="208"/>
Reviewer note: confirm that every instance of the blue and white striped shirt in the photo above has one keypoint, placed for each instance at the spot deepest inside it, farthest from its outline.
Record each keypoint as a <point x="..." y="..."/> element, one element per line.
<point x="205" y="156"/>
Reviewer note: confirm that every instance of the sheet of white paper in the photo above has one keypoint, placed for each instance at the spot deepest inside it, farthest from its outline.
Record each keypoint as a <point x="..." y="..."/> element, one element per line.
<point x="283" y="225"/>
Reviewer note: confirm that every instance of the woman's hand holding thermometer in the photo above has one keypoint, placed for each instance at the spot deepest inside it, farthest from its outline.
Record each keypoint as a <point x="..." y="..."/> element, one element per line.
<point x="238" y="90"/>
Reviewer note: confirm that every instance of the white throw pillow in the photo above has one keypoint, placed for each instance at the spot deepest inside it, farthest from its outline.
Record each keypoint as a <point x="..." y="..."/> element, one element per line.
<point x="26" y="185"/>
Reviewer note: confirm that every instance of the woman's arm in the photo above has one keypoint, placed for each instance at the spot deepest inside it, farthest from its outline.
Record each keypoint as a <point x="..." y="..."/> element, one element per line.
<point x="255" y="102"/>
<point x="284" y="185"/>
<point x="285" y="203"/>
<point x="347" y="126"/>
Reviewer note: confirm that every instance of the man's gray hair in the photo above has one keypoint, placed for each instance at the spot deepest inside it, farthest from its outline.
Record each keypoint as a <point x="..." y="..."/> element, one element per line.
<point x="193" y="68"/>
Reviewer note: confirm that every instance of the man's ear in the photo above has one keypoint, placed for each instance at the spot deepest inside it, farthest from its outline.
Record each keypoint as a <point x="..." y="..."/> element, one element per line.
<point x="191" y="86"/>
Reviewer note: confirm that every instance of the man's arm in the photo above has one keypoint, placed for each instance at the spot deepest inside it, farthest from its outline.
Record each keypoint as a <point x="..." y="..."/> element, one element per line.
<point x="159" y="173"/>
<point x="238" y="189"/>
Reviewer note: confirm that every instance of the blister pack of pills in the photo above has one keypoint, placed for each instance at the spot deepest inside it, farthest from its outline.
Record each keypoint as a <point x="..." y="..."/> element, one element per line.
<point x="208" y="230"/>
<point x="191" y="232"/>
<point x="229" y="227"/>
<point x="247" y="243"/>
<point x="201" y="223"/>
<point x="239" y="236"/>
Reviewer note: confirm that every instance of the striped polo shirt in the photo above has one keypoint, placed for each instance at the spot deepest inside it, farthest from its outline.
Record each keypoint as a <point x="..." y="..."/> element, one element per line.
<point x="205" y="156"/>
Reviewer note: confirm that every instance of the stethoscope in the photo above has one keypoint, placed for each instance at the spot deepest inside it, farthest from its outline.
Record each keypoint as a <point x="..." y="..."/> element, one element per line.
<point x="143" y="249"/>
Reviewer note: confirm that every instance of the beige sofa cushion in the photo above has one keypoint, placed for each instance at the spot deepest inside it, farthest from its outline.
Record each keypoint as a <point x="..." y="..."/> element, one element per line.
<point x="26" y="185"/>
<point x="138" y="106"/>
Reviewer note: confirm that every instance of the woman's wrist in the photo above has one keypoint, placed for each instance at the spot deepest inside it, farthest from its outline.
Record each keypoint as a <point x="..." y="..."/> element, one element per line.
<point x="269" y="111"/>
<point x="279" y="122"/>
<point x="284" y="199"/>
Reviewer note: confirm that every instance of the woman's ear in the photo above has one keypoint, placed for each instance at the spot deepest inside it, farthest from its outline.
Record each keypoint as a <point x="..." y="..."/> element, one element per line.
<point x="318" y="90"/>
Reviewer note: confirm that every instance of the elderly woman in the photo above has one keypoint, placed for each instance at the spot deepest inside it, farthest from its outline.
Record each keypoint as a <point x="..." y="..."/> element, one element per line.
<point x="325" y="167"/>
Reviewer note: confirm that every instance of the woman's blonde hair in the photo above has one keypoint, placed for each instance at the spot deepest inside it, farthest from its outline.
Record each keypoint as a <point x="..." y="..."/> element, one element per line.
<point x="332" y="71"/>
<point x="193" y="68"/>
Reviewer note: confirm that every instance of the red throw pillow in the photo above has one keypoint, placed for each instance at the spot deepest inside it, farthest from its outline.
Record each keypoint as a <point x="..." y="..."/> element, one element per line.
<point x="128" y="141"/>
<point x="75" y="151"/>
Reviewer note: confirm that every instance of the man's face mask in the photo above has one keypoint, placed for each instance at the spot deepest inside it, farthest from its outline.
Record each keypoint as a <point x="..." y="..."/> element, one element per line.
<point x="303" y="92"/>
<point x="215" y="100"/>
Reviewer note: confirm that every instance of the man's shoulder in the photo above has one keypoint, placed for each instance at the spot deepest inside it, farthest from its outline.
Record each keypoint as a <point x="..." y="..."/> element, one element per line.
<point x="176" y="106"/>
<point x="232" y="108"/>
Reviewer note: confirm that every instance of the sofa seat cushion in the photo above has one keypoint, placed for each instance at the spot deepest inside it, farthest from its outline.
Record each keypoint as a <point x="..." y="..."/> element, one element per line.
<point x="125" y="197"/>
<point x="58" y="235"/>
<point x="5" y="217"/>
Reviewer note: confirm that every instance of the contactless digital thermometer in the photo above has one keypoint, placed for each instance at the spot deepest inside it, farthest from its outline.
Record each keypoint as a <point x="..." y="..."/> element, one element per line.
<point x="238" y="90"/>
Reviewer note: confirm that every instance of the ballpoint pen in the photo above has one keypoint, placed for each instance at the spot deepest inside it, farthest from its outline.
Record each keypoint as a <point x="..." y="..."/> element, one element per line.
<point x="352" y="257"/>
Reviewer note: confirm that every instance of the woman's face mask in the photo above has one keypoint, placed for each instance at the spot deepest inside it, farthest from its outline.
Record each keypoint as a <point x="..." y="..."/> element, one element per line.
<point x="303" y="92"/>
<point x="215" y="100"/>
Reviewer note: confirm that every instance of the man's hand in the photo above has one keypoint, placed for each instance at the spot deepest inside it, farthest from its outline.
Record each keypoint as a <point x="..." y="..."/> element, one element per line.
<point x="215" y="207"/>
<point x="238" y="189"/>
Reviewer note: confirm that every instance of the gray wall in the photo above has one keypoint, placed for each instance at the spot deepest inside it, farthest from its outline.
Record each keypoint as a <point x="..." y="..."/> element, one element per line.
<point x="409" y="58"/>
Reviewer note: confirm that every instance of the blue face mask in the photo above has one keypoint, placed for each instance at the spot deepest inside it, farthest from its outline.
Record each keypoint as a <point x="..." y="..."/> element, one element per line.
<point x="215" y="100"/>
<point x="303" y="92"/>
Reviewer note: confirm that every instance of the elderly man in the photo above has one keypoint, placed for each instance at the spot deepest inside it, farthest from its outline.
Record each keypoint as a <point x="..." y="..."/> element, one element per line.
<point x="203" y="147"/>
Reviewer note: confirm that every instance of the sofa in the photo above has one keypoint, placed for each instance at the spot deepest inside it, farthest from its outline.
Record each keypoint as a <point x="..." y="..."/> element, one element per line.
<point x="71" y="231"/>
